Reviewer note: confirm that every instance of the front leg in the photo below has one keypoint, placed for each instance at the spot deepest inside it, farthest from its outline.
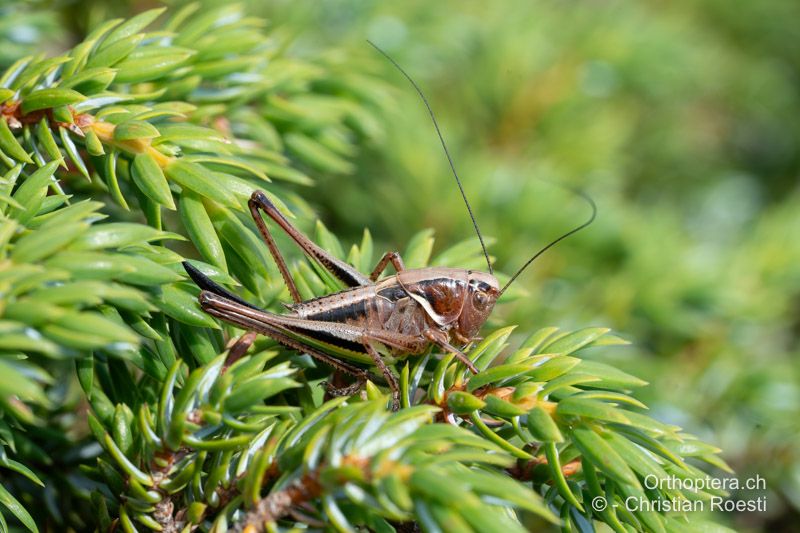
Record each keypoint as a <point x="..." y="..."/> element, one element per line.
<point x="389" y="257"/>
<point x="439" y="338"/>
<point x="390" y="379"/>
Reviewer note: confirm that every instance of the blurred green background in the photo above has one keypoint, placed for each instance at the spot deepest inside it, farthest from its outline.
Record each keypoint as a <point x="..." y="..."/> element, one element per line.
<point x="681" y="119"/>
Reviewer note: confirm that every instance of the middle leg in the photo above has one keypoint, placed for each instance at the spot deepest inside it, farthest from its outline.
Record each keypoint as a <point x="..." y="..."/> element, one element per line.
<point x="390" y="379"/>
<point x="389" y="257"/>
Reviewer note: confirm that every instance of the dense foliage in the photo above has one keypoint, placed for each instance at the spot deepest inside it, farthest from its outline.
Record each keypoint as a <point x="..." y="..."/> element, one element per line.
<point x="121" y="405"/>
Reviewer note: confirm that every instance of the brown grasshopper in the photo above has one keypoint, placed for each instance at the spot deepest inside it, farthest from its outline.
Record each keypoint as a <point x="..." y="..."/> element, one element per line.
<point x="406" y="312"/>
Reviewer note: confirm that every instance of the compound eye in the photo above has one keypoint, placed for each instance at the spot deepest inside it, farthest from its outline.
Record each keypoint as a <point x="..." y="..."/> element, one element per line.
<point x="481" y="299"/>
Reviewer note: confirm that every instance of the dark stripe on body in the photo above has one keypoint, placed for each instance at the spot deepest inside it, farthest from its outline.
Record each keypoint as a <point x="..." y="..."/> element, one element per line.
<point x="349" y="313"/>
<point x="393" y="293"/>
<point x="481" y="286"/>
<point x="442" y="283"/>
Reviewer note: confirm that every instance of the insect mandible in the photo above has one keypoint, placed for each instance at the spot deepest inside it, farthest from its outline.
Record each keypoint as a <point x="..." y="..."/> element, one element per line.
<point x="406" y="313"/>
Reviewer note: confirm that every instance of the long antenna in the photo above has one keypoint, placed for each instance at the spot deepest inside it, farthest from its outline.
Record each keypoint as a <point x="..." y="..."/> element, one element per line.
<point x="561" y="238"/>
<point x="444" y="145"/>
